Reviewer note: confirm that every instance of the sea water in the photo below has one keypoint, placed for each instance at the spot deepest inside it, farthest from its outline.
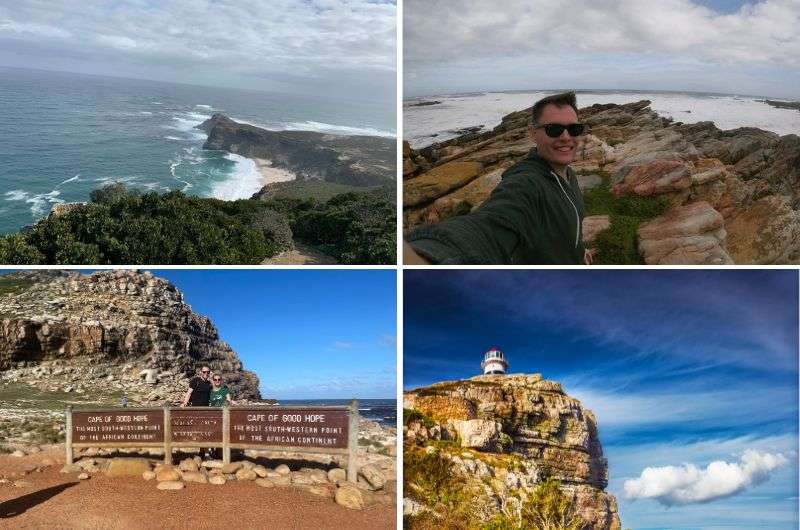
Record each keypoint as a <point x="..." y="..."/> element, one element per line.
<point x="457" y="111"/>
<point x="382" y="411"/>
<point x="64" y="135"/>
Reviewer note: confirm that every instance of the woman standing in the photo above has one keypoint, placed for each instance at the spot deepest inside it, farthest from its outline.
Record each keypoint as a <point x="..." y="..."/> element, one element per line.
<point x="219" y="393"/>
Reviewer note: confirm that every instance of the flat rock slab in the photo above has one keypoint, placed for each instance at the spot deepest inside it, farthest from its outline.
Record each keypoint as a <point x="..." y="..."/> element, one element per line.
<point x="687" y="235"/>
<point x="439" y="181"/>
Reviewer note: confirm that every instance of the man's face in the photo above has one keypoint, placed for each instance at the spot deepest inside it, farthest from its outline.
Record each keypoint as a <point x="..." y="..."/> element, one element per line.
<point x="204" y="371"/>
<point x="559" y="151"/>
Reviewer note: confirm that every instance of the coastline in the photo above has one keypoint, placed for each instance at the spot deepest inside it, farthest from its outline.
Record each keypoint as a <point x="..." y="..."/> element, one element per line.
<point x="272" y="174"/>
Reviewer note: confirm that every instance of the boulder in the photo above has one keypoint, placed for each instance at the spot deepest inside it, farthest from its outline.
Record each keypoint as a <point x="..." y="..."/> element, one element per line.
<point x="216" y="479"/>
<point x="233" y="467"/>
<point x="656" y="177"/>
<point x="127" y="467"/>
<point x="349" y="497"/>
<point x="337" y="475"/>
<point x="246" y="474"/>
<point x="593" y="225"/>
<point x="188" y="464"/>
<point x="265" y="483"/>
<point x="149" y="475"/>
<point x="83" y="476"/>
<point x="373" y="475"/>
<point x="167" y="474"/>
<point x="171" y="485"/>
<point x="194" y="476"/>
<point x="261" y="471"/>
<point x="281" y="480"/>
<point x="477" y="434"/>
<point x="283" y="469"/>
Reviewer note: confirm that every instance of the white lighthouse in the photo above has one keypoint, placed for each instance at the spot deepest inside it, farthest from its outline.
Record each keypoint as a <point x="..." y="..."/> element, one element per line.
<point x="494" y="362"/>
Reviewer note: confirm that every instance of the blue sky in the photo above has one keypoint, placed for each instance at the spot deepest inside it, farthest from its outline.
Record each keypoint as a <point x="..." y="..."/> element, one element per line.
<point x="728" y="46"/>
<point x="342" y="48"/>
<point x="308" y="334"/>
<point x="680" y="367"/>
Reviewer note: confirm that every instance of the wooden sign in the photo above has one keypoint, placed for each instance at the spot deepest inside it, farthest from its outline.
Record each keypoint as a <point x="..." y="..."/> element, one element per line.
<point x="121" y="426"/>
<point x="195" y="425"/>
<point x="301" y="427"/>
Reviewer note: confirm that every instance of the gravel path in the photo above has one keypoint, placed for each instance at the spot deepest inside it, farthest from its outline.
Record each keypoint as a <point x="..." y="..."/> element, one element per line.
<point x="54" y="501"/>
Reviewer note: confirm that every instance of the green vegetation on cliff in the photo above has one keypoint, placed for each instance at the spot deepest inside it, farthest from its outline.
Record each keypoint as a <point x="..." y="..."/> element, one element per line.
<point x="618" y="245"/>
<point x="121" y="226"/>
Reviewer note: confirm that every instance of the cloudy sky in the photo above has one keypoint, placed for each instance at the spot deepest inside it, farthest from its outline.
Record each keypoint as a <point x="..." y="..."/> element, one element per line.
<point x="308" y="334"/>
<point x="341" y="47"/>
<point x="692" y="375"/>
<point x="728" y="46"/>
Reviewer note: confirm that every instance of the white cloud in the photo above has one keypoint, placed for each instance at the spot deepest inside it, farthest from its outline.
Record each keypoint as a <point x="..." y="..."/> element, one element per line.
<point x="688" y="484"/>
<point x="271" y="41"/>
<point x="531" y="44"/>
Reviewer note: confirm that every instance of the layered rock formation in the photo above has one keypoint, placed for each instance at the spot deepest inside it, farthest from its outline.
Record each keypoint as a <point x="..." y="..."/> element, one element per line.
<point x="108" y="333"/>
<point x="353" y="160"/>
<point x="509" y="433"/>
<point x="734" y="195"/>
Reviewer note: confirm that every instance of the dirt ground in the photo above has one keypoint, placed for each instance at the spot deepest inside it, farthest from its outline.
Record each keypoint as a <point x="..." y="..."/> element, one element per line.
<point x="51" y="500"/>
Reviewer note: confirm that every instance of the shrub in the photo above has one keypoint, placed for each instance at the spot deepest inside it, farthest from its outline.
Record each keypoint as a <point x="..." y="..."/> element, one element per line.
<point x="548" y="508"/>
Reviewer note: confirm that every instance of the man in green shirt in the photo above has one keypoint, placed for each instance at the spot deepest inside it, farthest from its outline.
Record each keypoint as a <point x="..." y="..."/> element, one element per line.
<point x="533" y="216"/>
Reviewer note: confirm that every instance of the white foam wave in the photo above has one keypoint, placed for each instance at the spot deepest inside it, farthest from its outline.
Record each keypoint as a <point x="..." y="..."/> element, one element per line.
<point x="316" y="126"/>
<point x="175" y="138"/>
<point x="76" y="178"/>
<point x="209" y="107"/>
<point x="244" y="180"/>
<point x="727" y="112"/>
<point x="338" y="129"/>
<point x="145" y="112"/>
<point x="39" y="202"/>
<point x="186" y="122"/>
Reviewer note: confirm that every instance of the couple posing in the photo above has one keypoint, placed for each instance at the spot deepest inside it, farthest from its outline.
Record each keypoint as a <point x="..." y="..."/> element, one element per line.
<point x="205" y="393"/>
<point x="533" y="216"/>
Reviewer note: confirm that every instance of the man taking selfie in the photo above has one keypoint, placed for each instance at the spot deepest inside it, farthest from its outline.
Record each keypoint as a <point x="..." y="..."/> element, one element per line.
<point x="533" y="216"/>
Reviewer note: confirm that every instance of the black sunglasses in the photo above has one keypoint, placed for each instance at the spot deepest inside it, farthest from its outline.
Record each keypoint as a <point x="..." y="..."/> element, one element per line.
<point x="554" y="130"/>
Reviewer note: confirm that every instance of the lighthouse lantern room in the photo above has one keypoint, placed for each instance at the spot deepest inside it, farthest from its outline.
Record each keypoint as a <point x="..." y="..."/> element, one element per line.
<point x="494" y="362"/>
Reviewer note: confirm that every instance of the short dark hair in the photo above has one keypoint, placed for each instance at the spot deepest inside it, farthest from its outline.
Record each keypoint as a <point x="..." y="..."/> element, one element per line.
<point x="559" y="100"/>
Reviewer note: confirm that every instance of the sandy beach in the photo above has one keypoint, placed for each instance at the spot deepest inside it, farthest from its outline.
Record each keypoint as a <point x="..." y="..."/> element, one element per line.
<point x="272" y="174"/>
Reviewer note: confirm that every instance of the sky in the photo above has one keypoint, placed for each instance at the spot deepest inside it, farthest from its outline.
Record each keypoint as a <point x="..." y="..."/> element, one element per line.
<point x="344" y="48"/>
<point x="726" y="46"/>
<point x="692" y="374"/>
<point x="307" y="334"/>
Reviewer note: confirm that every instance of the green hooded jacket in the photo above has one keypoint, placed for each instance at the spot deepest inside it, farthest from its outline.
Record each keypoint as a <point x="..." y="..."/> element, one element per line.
<point x="532" y="217"/>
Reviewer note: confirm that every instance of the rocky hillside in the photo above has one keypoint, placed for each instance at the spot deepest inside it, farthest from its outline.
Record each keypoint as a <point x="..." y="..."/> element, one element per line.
<point x="681" y="193"/>
<point x="352" y="160"/>
<point x="109" y="333"/>
<point x="504" y="435"/>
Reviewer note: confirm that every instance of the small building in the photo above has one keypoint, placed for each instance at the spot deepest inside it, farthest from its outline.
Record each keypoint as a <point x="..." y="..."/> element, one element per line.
<point x="494" y="362"/>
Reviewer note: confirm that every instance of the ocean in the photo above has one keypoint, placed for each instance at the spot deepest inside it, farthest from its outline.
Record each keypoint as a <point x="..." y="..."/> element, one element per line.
<point x="487" y="108"/>
<point x="66" y="134"/>
<point x="383" y="411"/>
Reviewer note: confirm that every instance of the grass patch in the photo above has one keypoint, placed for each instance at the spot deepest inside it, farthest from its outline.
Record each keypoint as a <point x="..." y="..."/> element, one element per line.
<point x="13" y="285"/>
<point x="618" y="244"/>
<point x="411" y="415"/>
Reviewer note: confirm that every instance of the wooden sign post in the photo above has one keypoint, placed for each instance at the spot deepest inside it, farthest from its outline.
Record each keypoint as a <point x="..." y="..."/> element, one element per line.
<point x="306" y="429"/>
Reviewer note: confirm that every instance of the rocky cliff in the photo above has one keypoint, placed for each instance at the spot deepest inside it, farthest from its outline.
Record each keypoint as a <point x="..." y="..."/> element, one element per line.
<point x="107" y="333"/>
<point x="505" y="435"/>
<point x="353" y="160"/>
<point x="731" y="196"/>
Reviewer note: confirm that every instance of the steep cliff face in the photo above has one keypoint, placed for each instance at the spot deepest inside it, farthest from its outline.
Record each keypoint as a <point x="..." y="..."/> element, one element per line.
<point x="125" y="330"/>
<point x="310" y="155"/>
<point x="507" y="434"/>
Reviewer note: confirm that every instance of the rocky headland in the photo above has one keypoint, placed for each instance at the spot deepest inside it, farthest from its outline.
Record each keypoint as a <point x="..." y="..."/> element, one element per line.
<point x="503" y="436"/>
<point x="95" y="339"/>
<point x="309" y="155"/>
<point x="676" y="193"/>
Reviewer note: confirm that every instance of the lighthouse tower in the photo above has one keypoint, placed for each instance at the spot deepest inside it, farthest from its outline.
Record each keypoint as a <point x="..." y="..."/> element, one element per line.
<point x="494" y="362"/>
